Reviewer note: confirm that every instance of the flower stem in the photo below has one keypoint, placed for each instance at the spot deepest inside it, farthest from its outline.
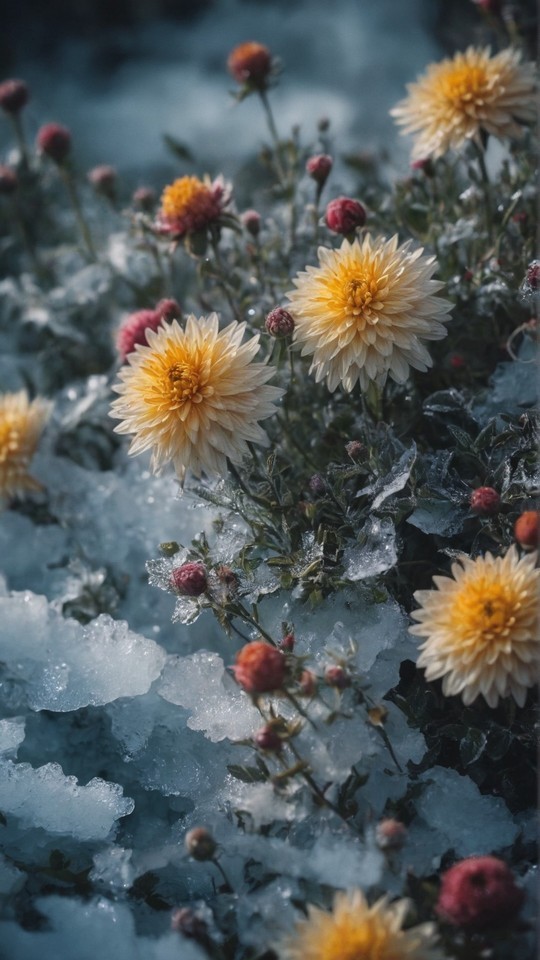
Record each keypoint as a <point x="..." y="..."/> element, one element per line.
<point x="21" y="140"/>
<point x="230" y="888"/>
<point x="75" y="203"/>
<point x="222" y="276"/>
<point x="481" y="157"/>
<point x="275" y="137"/>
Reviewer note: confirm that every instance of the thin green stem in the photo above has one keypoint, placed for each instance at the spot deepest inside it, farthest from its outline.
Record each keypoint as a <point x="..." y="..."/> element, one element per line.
<point x="75" y="203"/>
<point x="222" y="277"/>
<point x="481" y="157"/>
<point x="21" y="140"/>
<point x="275" y="137"/>
<point x="230" y="888"/>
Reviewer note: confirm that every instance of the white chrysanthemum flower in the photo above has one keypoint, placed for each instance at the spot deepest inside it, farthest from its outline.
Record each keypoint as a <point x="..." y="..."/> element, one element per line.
<point x="353" y="930"/>
<point x="363" y="313"/>
<point x="21" y="425"/>
<point x="195" y="396"/>
<point x="459" y="97"/>
<point x="481" y="628"/>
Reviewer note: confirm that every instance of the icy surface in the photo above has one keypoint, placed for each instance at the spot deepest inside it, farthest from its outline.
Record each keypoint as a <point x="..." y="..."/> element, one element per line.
<point x="63" y="661"/>
<point x="44" y="797"/>
<point x="11" y="735"/>
<point x="376" y="552"/>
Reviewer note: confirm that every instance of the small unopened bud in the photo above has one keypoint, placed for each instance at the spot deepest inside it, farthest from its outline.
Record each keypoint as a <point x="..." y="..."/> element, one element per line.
<point x="308" y="683"/>
<point x="251" y="221"/>
<point x="189" y="580"/>
<point x="344" y="215"/>
<point x="319" y="167"/>
<point x="145" y="198"/>
<point x="527" y="529"/>
<point x="485" y="500"/>
<point x="200" y="844"/>
<point x="355" y="449"/>
<point x="184" y="920"/>
<point x="103" y="180"/>
<point x="279" y="323"/>
<point x="14" y="95"/>
<point x="337" y="677"/>
<point x="168" y="310"/>
<point x="250" y="63"/>
<point x="168" y="548"/>
<point x="287" y="643"/>
<point x="259" y="668"/>
<point x="425" y="165"/>
<point x="227" y="577"/>
<point x="391" y="834"/>
<point x="317" y="485"/>
<point x="133" y="329"/>
<point x="8" y="180"/>
<point x="457" y="361"/>
<point x="532" y="277"/>
<point x="489" y="6"/>
<point x="267" y="739"/>
<point x="479" y="893"/>
<point x="54" y="140"/>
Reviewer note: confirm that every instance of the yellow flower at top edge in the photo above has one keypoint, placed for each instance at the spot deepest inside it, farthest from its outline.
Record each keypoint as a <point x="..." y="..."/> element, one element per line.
<point x="363" y="312"/>
<point x="195" y="396"/>
<point x="21" y="425"/>
<point x="189" y="204"/>
<point x="458" y="98"/>
<point x="355" y="931"/>
<point x="481" y="628"/>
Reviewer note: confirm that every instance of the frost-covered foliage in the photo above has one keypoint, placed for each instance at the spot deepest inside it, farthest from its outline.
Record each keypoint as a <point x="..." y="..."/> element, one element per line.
<point x="210" y="713"/>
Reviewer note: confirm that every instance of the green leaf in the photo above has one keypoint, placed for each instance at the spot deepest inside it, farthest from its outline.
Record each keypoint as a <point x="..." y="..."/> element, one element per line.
<point x="472" y="746"/>
<point x="246" y="774"/>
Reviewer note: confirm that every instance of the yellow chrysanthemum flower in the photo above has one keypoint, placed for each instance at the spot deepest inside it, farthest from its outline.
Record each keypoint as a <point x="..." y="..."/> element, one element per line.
<point x="363" y="312"/>
<point x="459" y="97"/>
<point x="482" y="628"/>
<point x="21" y="425"/>
<point x="355" y="931"/>
<point x="189" y="204"/>
<point x="194" y="396"/>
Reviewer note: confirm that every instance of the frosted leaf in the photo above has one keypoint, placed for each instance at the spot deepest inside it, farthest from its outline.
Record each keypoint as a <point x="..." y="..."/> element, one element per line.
<point x="12" y="734"/>
<point x="215" y="702"/>
<point x="44" y="797"/>
<point x="311" y="553"/>
<point x="131" y="263"/>
<point x="160" y="570"/>
<point x="437" y="516"/>
<point x="113" y="869"/>
<point x="375" y="553"/>
<point x="230" y="540"/>
<point x="186" y="610"/>
<point x="67" y="665"/>
<point x="261" y="582"/>
<point x="513" y="387"/>
<point x="393" y="482"/>
<point x="263" y="802"/>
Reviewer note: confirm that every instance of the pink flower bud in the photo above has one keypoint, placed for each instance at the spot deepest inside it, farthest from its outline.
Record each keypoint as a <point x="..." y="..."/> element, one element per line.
<point x="485" y="500"/>
<point x="251" y="221"/>
<point x="267" y="739"/>
<point x="54" y="140"/>
<point x="133" y="330"/>
<point x="479" y="892"/>
<point x="189" y="580"/>
<point x="344" y="215"/>
<point x="259" y="668"/>
<point x="168" y="310"/>
<point x="355" y="449"/>
<point x="319" y="167"/>
<point x="287" y="644"/>
<point x="317" y="485"/>
<point x="14" y="95"/>
<point x="391" y="834"/>
<point x="145" y="198"/>
<point x="279" y="323"/>
<point x="250" y="62"/>
<point x="308" y="683"/>
<point x="103" y="179"/>
<point x="337" y="677"/>
<point x="200" y="844"/>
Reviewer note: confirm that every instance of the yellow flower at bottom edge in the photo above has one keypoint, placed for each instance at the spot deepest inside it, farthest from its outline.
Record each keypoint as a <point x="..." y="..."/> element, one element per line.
<point x="459" y="97"/>
<point x="21" y="425"/>
<point x="195" y="396"/>
<point x="481" y="628"/>
<point x="363" y="312"/>
<point x="355" y="931"/>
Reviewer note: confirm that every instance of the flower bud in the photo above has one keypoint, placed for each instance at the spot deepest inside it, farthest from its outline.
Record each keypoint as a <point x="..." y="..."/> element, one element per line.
<point x="425" y="165"/>
<point x="337" y="677"/>
<point x="485" y="500"/>
<point x="168" y="310"/>
<point x="259" y="668"/>
<point x="145" y="198"/>
<point x="527" y="529"/>
<point x="457" y="361"/>
<point x="200" y="844"/>
<point x="287" y="644"/>
<point x="133" y="330"/>
<point x="478" y="893"/>
<point x="251" y="63"/>
<point x="8" y="180"/>
<point x="317" y="485"/>
<point x="184" y="920"/>
<point x="54" y="140"/>
<point x="391" y="834"/>
<point x="279" y="323"/>
<point x="227" y="577"/>
<point x="344" y="215"/>
<point x="251" y="221"/>
<point x="103" y="180"/>
<point x="14" y="95"/>
<point x="267" y="739"/>
<point x="319" y="167"/>
<point x="489" y="6"/>
<point x="355" y="449"/>
<point x="308" y="683"/>
<point x="189" y="580"/>
<point x="532" y="277"/>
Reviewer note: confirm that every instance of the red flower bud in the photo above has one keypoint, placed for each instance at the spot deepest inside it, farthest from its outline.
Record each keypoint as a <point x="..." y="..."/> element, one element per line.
<point x="344" y="215"/>
<point x="189" y="580"/>
<point x="457" y="361"/>
<point x="319" y="167"/>
<point x="308" y="683"/>
<point x="251" y="221"/>
<point x="527" y="528"/>
<point x="168" y="310"/>
<point x="337" y="677"/>
<point x="200" y="843"/>
<point x="103" y="179"/>
<point x="287" y="643"/>
<point x="479" y="892"/>
<point x="485" y="500"/>
<point x="355" y="449"/>
<point x="279" y="323"/>
<point x="391" y="834"/>
<point x="250" y="62"/>
<point x="133" y="330"/>
<point x="259" y="668"/>
<point x="267" y="739"/>
<point x="55" y="141"/>
<point x="14" y="95"/>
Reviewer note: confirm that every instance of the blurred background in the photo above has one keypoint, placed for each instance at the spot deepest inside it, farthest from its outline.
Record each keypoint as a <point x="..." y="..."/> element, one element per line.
<point x="122" y="73"/>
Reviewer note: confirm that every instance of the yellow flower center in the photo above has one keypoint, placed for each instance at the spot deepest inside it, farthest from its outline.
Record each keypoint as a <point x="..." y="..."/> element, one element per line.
<point x="362" y="294"/>
<point x="465" y="86"/>
<point x="357" y="290"/>
<point x="10" y="442"/>
<point x="184" y="383"/>
<point x="184" y="195"/>
<point x="346" y="937"/>
<point x="487" y="608"/>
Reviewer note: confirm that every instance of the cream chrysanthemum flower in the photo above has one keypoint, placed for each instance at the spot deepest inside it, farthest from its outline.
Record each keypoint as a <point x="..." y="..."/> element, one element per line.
<point x="482" y="628"/>
<point x="21" y="425"/>
<point x="194" y="396"/>
<point x="459" y="97"/>
<point x="363" y="312"/>
<point x="355" y="931"/>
